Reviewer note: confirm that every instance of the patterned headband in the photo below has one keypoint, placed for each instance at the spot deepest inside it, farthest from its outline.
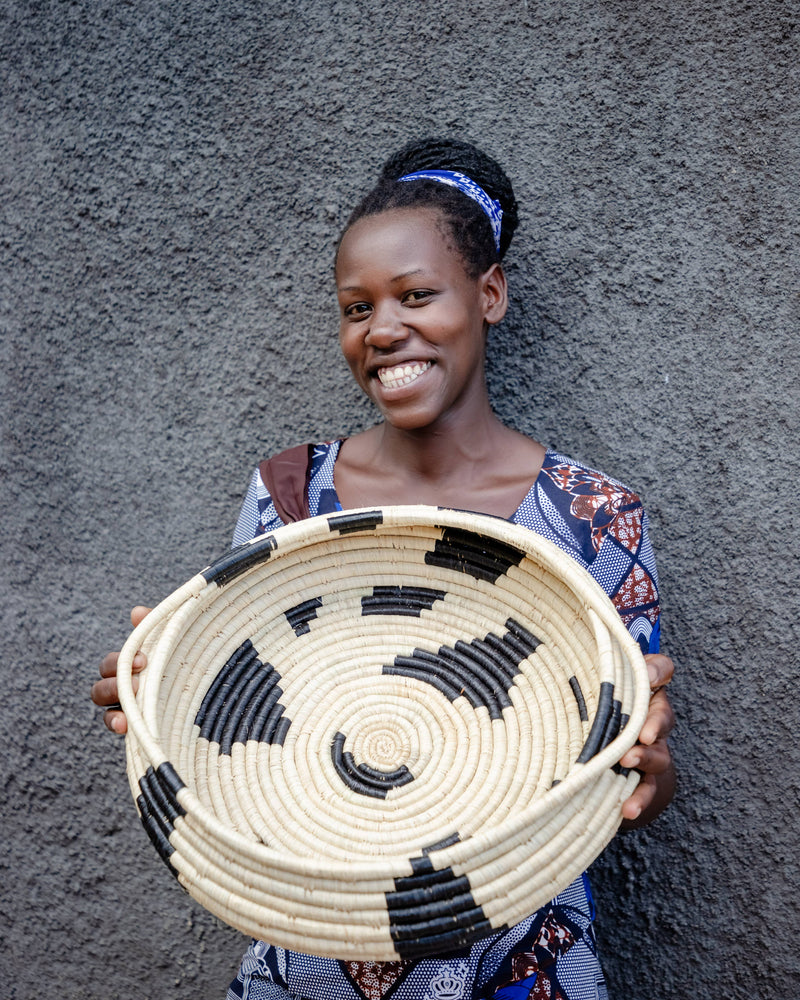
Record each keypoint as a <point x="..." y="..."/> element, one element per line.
<point x="472" y="190"/>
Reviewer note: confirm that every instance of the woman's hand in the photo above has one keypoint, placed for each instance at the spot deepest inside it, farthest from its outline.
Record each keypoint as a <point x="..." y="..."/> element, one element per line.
<point x="651" y="754"/>
<point x="104" y="692"/>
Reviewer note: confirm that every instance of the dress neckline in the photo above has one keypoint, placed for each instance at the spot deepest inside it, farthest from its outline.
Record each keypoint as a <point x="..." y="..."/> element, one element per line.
<point x="337" y="444"/>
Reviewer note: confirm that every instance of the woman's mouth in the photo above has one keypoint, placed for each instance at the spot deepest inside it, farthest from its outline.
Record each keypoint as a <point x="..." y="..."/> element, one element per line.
<point x="399" y="375"/>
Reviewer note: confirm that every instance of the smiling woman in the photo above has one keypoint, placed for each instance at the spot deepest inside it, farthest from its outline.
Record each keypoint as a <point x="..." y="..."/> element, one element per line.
<point x="413" y="321"/>
<point x="420" y="281"/>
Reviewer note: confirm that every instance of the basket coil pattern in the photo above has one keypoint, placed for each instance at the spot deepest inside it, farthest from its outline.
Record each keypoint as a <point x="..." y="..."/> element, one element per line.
<point x="382" y="734"/>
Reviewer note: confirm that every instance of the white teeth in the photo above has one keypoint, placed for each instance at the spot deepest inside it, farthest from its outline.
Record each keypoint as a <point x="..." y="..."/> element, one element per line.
<point x="392" y="378"/>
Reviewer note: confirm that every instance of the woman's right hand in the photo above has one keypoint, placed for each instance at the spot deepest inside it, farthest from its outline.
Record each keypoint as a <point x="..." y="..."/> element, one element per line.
<point x="104" y="692"/>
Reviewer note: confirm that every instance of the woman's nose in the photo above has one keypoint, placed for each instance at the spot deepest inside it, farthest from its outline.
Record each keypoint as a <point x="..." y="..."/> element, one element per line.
<point x="386" y="327"/>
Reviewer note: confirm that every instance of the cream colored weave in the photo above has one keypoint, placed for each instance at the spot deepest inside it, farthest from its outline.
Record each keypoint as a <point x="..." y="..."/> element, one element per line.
<point x="434" y="750"/>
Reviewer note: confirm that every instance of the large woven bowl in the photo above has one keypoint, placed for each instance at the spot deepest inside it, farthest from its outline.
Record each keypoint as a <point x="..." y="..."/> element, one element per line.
<point x="383" y="734"/>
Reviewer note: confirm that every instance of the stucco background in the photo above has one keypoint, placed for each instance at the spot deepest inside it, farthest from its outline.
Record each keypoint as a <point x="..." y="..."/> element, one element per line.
<point x="174" y="175"/>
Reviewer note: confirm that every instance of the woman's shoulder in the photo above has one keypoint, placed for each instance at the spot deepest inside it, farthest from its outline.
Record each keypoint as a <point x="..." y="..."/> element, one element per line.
<point x="601" y="523"/>
<point x="579" y="507"/>
<point x="308" y="453"/>
<point x="301" y="461"/>
<point x="575" y="479"/>
<point x="279" y="485"/>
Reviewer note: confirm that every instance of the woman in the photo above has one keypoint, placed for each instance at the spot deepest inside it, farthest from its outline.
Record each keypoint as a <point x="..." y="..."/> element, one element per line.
<point x="420" y="282"/>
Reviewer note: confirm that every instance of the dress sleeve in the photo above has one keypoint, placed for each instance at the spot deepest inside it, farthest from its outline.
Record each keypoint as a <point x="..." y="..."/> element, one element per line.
<point x="601" y="523"/>
<point x="625" y="567"/>
<point x="258" y="514"/>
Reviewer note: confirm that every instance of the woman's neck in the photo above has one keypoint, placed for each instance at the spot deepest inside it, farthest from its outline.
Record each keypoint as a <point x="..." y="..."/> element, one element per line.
<point x="480" y="465"/>
<point x="442" y="453"/>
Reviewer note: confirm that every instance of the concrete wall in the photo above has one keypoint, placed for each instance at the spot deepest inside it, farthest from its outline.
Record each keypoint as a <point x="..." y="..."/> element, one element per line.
<point x="174" y="176"/>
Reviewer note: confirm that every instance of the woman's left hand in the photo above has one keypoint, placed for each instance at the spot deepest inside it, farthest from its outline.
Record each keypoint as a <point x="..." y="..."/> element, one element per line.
<point x="651" y="754"/>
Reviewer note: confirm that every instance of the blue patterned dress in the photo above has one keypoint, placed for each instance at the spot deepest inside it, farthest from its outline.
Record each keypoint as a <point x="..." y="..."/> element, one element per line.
<point x="550" y="955"/>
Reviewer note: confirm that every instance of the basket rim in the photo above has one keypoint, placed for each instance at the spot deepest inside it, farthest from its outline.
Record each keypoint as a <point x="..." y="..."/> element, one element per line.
<point x="394" y="518"/>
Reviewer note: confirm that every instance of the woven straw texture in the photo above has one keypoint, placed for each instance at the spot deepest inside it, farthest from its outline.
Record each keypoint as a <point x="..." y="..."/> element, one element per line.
<point x="383" y="734"/>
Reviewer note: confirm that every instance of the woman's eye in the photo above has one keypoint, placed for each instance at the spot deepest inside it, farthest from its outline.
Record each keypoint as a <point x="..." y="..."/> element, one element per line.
<point x="417" y="295"/>
<point x="357" y="310"/>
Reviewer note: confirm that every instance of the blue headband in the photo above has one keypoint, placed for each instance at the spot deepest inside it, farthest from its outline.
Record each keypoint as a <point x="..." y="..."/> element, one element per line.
<point x="472" y="190"/>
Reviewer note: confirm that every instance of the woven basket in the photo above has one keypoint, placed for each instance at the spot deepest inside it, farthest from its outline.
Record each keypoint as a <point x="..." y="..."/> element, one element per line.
<point x="383" y="734"/>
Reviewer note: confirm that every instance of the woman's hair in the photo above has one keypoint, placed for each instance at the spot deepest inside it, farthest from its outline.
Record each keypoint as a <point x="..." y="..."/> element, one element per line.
<point x="468" y="223"/>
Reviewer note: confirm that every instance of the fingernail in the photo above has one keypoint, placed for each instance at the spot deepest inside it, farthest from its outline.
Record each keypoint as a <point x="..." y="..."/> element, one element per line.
<point x="116" y="722"/>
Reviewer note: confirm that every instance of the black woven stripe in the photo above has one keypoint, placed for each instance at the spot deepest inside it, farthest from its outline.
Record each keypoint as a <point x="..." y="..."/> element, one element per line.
<point x="239" y="702"/>
<point x="497" y="660"/>
<point x="476" y="682"/>
<point x="280" y="731"/>
<point x="159" y="808"/>
<point x="425" y="667"/>
<point x="156" y="832"/>
<point x="239" y="661"/>
<point x="244" y="700"/>
<point x="301" y="614"/>
<point x="423" y="879"/>
<point x="623" y="722"/>
<point x="446" y="674"/>
<point x="362" y="779"/>
<point x="433" y="911"/>
<point x="432" y="898"/>
<point x="478" y="555"/>
<point x="454" y="838"/>
<point x="482" y="671"/>
<point x="274" y="727"/>
<point x="409" y="601"/>
<point x="613" y="725"/>
<point x="345" y="524"/>
<point x="242" y="703"/>
<point x="266" y="690"/>
<point x="157" y="789"/>
<point x="574" y="683"/>
<point x="230" y="708"/>
<point x="501" y="661"/>
<point x="400" y="775"/>
<point x="442" y="927"/>
<point x="265" y="719"/>
<point x="520" y="638"/>
<point x="170" y="782"/>
<point x="239" y="560"/>
<point x="605" y="709"/>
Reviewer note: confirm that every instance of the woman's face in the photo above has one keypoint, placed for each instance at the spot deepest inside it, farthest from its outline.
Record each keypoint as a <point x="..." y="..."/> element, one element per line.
<point x="413" y="322"/>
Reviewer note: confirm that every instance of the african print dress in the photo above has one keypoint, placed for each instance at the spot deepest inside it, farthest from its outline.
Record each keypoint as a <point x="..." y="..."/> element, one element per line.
<point x="552" y="954"/>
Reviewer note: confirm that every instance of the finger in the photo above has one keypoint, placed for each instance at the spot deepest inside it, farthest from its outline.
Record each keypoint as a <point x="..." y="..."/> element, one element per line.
<point x="660" y="669"/>
<point x="104" y="693"/>
<point x="641" y="799"/>
<point x="654" y="759"/>
<point x="660" y="720"/>
<point x="138" y="614"/>
<point x="115" y="721"/>
<point x="108" y="667"/>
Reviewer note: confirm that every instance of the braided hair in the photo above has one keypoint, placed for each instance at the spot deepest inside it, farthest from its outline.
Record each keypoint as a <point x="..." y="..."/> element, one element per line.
<point x="468" y="224"/>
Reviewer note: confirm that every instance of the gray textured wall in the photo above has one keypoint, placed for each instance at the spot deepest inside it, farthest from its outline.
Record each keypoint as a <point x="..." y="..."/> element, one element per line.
<point x="174" y="175"/>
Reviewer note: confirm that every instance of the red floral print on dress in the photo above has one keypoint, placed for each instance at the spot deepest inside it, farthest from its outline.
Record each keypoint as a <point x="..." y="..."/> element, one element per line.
<point x="375" y="980"/>
<point x="596" y="499"/>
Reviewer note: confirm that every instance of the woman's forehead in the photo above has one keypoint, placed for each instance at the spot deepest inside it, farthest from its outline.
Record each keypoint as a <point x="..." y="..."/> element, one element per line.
<point x="397" y="237"/>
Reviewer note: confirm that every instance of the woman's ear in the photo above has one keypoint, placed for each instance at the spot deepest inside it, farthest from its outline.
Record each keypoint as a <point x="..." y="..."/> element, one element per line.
<point x="494" y="289"/>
